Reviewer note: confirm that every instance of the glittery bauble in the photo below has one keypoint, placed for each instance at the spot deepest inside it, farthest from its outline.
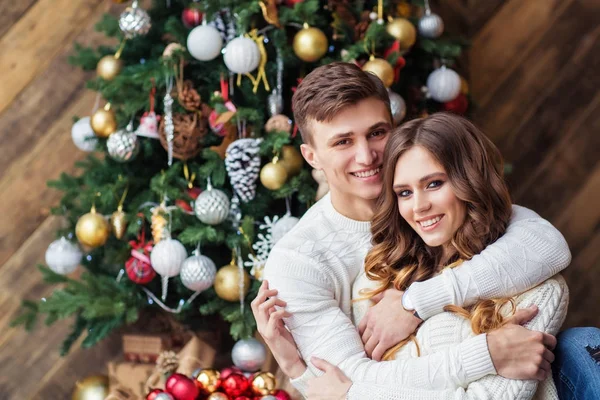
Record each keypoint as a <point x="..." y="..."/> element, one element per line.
<point x="212" y="206"/>
<point x="181" y="387"/>
<point x="198" y="273"/>
<point x="191" y="17"/>
<point x="225" y="372"/>
<point x="279" y="123"/>
<point x="167" y="256"/>
<point x="164" y="396"/>
<point x="403" y="31"/>
<point x="218" y="396"/>
<point x="242" y="55"/>
<point x="249" y="354"/>
<point x="204" y="43"/>
<point x="227" y="283"/>
<point x="104" y="123"/>
<point x="273" y="175"/>
<point x="208" y="380"/>
<point x="92" y="230"/>
<point x="292" y="160"/>
<point x="91" y="388"/>
<point x="397" y="106"/>
<point x="118" y="223"/>
<point x="134" y="21"/>
<point x="109" y="67"/>
<point x="382" y="69"/>
<point x="310" y="44"/>
<point x="275" y="102"/>
<point x="431" y="25"/>
<point x="153" y="393"/>
<point x="459" y="105"/>
<point x="123" y="145"/>
<point x="443" y="84"/>
<point x="62" y="256"/>
<point x="235" y="385"/>
<point x="281" y="394"/>
<point x="283" y="226"/>
<point x="83" y="135"/>
<point x="263" y="383"/>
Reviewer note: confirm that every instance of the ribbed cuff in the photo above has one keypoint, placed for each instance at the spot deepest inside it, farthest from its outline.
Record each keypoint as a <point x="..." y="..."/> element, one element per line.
<point x="476" y="359"/>
<point x="430" y="297"/>
<point x="301" y="382"/>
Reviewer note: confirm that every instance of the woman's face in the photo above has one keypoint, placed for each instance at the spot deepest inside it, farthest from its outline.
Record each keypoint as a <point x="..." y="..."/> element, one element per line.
<point x="425" y="196"/>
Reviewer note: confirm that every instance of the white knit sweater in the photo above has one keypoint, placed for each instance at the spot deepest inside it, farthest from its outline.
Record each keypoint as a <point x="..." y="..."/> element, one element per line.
<point x="314" y="267"/>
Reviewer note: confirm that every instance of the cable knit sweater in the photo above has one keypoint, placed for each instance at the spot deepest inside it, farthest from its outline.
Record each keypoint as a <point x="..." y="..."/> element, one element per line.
<point x="314" y="267"/>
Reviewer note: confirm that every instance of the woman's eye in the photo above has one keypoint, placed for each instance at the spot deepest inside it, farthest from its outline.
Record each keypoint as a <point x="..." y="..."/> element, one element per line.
<point x="435" y="184"/>
<point x="404" y="193"/>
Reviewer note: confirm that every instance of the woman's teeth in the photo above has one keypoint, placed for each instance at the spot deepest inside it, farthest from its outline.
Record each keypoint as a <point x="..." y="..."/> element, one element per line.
<point x="430" y="222"/>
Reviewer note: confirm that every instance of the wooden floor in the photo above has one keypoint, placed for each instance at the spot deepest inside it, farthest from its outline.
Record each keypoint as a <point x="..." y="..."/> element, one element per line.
<point x="534" y="74"/>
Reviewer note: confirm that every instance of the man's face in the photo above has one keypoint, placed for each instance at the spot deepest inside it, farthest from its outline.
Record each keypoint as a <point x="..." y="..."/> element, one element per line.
<point x="349" y="150"/>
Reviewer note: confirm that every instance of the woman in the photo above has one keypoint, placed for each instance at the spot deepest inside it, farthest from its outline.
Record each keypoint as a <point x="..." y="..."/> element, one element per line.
<point x="443" y="201"/>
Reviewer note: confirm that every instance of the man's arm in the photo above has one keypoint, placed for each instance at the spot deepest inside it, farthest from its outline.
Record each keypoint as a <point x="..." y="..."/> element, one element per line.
<point x="531" y="251"/>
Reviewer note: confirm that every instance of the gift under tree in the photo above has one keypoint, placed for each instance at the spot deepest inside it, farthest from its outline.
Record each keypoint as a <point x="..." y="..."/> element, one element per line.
<point x="194" y="171"/>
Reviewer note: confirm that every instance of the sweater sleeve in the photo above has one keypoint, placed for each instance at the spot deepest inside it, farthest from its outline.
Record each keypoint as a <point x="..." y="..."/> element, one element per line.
<point x="530" y="251"/>
<point x="551" y="298"/>
<point x="320" y="328"/>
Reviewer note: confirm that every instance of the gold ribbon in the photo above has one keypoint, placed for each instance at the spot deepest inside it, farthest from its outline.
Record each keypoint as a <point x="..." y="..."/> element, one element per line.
<point x="261" y="75"/>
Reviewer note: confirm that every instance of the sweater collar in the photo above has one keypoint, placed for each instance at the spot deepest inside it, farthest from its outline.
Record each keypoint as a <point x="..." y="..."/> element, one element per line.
<point x="340" y="220"/>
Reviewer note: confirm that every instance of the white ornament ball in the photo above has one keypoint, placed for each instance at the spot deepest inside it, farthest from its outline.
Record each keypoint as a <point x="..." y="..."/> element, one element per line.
<point x="397" y="106"/>
<point x="63" y="256"/>
<point x="431" y="26"/>
<point x="249" y="354"/>
<point x="443" y="84"/>
<point x="212" y="207"/>
<point x="242" y="55"/>
<point x="198" y="273"/>
<point x="83" y="135"/>
<point x="283" y="226"/>
<point x="164" y="396"/>
<point x="167" y="256"/>
<point x="268" y="397"/>
<point x="204" y="43"/>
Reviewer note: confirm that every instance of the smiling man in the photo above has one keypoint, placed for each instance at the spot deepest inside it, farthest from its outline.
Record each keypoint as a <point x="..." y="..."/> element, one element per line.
<point x="344" y="117"/>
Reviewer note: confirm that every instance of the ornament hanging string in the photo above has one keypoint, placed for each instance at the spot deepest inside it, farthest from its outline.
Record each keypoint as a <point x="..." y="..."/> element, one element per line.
<point x="380" y="12"/>
<point x="120" y="50"/>
<point x="152" y="95"/>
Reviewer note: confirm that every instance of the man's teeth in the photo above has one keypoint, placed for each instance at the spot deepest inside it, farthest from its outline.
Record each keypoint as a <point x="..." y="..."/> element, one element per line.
<point x="430" y="222"/>
<point x="367" y="174"/>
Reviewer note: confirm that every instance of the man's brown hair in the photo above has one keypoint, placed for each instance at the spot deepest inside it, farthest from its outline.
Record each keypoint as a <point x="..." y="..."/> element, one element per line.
<point x="328" y="89"/>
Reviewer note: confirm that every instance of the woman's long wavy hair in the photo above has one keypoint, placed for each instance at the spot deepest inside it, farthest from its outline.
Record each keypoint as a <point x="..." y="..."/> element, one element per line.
<point x="474" y="168"/>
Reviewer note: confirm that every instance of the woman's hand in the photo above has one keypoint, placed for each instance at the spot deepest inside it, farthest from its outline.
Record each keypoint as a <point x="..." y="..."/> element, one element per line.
<point x="333" y="385"/>
<point x="269" y="321"/>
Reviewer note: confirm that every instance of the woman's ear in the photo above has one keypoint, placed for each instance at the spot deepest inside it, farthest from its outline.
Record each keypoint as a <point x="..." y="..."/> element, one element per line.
<point x="310" y="155"/>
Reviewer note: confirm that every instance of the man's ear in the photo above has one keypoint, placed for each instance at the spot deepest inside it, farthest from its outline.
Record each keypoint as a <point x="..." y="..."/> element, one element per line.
<point x="309" y="154"/>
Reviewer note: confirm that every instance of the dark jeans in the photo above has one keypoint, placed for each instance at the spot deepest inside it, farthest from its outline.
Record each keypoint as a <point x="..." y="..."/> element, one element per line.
<point x="576" y="369"/>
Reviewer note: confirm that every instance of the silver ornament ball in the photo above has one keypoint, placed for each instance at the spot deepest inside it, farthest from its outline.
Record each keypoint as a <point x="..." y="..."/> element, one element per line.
<point x="397" y="106"/>
<point x="134" y="21"/>
<point x="198" y="273"/>
<point x="164" y="396"/>
<point x="212" y="206"/>
<point x="283" y="226"/>
<point x="443" y="84"/>
<point x="83" y="135"/>
<point x="431" y="26"/>
<point x="167" y="257"/>
<point x="63" y="256"/>
<point x="123" y="145"/>
<point x="249" y="354"/>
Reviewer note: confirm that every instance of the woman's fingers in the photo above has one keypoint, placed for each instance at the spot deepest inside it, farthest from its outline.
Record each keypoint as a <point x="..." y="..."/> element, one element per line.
<point x="275" y="321"/>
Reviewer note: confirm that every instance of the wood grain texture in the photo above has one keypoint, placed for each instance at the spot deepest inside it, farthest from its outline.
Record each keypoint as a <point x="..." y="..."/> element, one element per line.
<point x="11" y="12"/>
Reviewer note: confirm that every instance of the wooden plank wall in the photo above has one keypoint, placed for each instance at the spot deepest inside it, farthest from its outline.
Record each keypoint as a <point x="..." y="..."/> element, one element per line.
<point x="533" y="68"/>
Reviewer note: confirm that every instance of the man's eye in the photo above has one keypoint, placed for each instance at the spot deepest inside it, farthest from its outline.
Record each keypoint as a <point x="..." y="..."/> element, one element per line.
<point x="342" y="142"/>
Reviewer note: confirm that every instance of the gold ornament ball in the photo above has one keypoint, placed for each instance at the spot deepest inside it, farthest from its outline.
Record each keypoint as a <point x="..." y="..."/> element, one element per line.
<point x="382" y="69"/>
<point x="92" y="230"/>
<point x="464" y="86"/>
<point x="103" y="123"/>
<point x="209" y="380"/>
<point x="91" y="388"/>
<point x="273" y="175"/>
<point x="264" y="383"/>
<point x="218" y="396"/>
<point x="403" y="31"/>
<point x="109" y="67"/>
<point x="227" y="283"/>
<point x="310" y="44"/>
<point x="292" y="160"/>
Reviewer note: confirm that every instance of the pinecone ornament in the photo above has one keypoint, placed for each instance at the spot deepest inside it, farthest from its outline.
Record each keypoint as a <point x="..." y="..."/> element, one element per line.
<point x="360" y="29"/>
<point x="167" y="362"/>
<point x="189" y="129"/>
<point x="189" y="97"/>
<point x="242" y="163"/>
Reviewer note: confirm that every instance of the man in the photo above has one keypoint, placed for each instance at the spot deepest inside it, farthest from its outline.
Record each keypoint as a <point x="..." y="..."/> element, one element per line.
<point x="344" y="118"/>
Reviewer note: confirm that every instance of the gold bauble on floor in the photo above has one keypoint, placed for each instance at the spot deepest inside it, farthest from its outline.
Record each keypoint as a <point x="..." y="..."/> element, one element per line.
<point x="310" y="44"/>
<point x="91" y="388"/>
<point x="227" y="282"/>
<point x="382" y="69"/>
<point x="109" y="67"/>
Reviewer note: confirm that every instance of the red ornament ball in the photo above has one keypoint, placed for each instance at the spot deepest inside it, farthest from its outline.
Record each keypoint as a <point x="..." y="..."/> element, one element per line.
<point x="138" y="267"/>
<point x="459" y="105"/>
<point x="242" y="398"/>
<point x="181" y="387"/>
<point x="281" y="394"/>
<point x="292" y="3"/>
<point x="153" y="393"/>
<point x="191" y="17"/>
<point x="225" y="372"/>
<point x="235" y="385"/>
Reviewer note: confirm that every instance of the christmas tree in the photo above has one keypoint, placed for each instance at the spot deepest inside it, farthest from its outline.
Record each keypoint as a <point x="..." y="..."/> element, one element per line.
<point x="194" y="171"/>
